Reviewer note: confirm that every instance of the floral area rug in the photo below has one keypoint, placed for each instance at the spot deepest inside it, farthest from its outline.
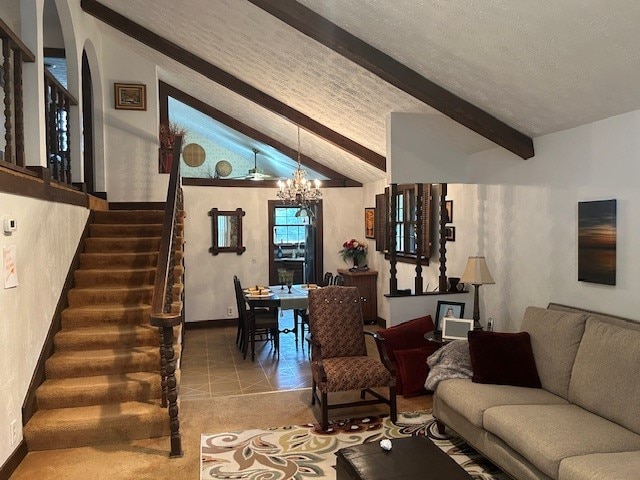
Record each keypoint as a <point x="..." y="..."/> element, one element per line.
<point x="306" y="452"/>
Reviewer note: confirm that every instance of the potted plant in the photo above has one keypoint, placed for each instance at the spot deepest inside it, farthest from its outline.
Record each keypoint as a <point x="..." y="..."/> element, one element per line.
<point x="168" y="133"/>
<point x="355" y="250"/>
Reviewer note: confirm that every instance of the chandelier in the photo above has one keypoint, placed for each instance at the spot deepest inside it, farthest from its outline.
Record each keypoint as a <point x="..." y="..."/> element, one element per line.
<point x="299" y="190"/>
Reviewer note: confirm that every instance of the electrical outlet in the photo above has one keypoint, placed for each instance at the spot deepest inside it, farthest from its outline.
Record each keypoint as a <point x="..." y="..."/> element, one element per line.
<point x="229" y="311"/>
<point x="13" y="432"/>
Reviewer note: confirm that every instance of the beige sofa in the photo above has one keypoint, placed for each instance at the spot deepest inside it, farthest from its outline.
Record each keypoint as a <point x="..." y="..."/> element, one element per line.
<point x="584" y="424"/>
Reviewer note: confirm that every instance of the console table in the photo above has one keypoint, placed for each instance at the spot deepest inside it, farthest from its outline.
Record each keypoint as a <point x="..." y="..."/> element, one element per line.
<point x="366" y="283"/>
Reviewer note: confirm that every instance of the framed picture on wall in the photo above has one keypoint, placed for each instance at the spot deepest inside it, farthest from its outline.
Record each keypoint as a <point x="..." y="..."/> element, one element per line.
<point x="370" y="223"/>
<point x="450" y="234"/>
<point x="448" y="205"/>
<point x="597" y="241"/>
<point x="130" y="96"/>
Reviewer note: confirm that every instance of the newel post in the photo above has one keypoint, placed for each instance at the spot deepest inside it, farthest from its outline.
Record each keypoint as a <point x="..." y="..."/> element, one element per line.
<point x="166" y="322"/>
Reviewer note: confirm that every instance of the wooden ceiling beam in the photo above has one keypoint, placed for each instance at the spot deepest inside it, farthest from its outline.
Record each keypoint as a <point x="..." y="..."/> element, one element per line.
<point x="251" y="132"/>
<point x="215" y="73"/>
<point x="221" y="182"/>
<point x="397" y="74"/>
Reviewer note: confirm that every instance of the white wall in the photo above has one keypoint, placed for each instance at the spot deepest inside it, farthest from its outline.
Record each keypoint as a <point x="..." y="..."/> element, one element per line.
<point x="416" y="153"/>
<point x="131" y="136"/>
<point x="522" y="215"/>
<point x="529" y="212"/>
<point x="10" y="14"/>
<point x="208" y="283"/>
<point x="46" y="240"/>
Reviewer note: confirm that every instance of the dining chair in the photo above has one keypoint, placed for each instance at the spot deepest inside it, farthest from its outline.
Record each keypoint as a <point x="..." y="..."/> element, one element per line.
<point x="328" y="279"/>
<point x="260" y="321"/>
<point x="338" y="280"/>
<point x="339" y="360"/>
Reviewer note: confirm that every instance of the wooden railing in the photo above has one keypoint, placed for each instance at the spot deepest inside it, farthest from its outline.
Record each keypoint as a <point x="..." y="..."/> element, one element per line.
<point x="14" y="53"/>
<point x="57" y="106"/>
<point x="163" y="315"/>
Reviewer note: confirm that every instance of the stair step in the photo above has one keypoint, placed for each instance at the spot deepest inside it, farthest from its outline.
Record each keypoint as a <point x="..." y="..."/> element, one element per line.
<point x="102" y="362"/>
<point x="105" y="336"/>
<point x="119" y="260"/>
<point x="91" y="315"/>
<point x="115" y="294"/>
<point x="123" y="230"/>
<point x="120" y="276"/>
<point x="96" y="390"/>
<point x="89" y="277"/>
<point x="132" y="314"/>
<point x="128" y="216"/>
<point x="95" y="424"/>
<point x="127" y="244"/>
<point x="110" y="295"/>
<point x="116" y="260"/>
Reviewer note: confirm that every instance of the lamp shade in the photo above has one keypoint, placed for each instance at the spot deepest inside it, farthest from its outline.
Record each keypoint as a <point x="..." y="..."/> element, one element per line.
<point x="477" y="272"/>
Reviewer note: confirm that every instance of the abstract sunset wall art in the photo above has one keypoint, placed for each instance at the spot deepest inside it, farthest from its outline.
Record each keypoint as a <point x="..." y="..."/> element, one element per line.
<point x="597" y="242"/>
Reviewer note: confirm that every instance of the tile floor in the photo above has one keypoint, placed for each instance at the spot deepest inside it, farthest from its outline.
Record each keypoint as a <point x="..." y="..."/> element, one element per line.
<point x="212" y="365"/>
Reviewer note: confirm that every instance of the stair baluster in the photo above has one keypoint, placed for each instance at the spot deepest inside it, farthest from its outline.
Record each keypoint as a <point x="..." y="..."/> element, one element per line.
<point x="161" y="306"/>
<point x="166" y="322"/>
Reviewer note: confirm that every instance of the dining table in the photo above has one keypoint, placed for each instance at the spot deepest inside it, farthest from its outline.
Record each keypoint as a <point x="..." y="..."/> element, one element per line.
<point x="280" y="296"/>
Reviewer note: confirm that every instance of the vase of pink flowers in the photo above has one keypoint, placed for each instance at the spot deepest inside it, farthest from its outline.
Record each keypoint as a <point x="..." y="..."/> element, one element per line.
<point x="355" y="250"/>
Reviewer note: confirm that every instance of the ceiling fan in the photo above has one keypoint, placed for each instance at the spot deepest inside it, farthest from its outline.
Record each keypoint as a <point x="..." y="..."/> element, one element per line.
<point x="255" y="173"/>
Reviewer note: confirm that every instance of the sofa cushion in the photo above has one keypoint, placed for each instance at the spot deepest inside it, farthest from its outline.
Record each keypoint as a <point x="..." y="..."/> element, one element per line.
<point x="457" y="394"/>
<point x="503" y="359"/>
<point x="606" y="373"/>
<point x="413" y="369"/>
<point x="611" y="319"/>
<point x="601" y="466"/>
<point x="546" y="434"/>
<point x="409" y="334"/>
<point x="555" y="337"/>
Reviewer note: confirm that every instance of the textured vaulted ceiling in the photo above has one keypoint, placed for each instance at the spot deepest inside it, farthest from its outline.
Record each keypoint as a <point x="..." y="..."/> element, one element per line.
<point x="540" y="67"/>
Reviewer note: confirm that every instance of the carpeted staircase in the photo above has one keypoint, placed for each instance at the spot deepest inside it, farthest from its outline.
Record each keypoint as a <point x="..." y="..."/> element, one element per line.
<point x="102" y="382"/>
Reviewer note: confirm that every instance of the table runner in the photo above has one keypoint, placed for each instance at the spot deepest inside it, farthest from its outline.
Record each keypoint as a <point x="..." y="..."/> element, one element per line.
<point x="296" y="300"/>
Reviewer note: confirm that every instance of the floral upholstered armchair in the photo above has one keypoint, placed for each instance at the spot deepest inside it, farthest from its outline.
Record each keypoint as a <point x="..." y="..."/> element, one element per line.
<point x="339" y="360"/>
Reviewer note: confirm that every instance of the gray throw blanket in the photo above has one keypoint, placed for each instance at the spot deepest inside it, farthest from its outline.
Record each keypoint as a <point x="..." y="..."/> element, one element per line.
<point x="451" y="361"/>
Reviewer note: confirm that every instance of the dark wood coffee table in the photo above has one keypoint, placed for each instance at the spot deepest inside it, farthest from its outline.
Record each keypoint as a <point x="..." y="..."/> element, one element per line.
<point x="410" y="458"/>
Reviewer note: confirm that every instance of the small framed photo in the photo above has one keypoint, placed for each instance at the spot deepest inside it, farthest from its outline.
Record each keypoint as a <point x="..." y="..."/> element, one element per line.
<point x="450" y="234"/>
<point x="448" y="205"/>
<point x="130" y="96"/>
<point x="370" y="223"/>
<point x="456" y="328"/>
<point x="447" y="309"/>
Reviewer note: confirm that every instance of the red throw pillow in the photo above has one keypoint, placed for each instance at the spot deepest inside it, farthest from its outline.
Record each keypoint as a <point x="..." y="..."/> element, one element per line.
<point x="413" y="369"/>
<point x="409" y="334"/>
<point x="503" y="359"/>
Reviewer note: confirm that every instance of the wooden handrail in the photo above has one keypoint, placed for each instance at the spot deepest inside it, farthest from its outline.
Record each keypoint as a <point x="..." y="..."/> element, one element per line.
<point x="161" y="315"/>
<point x="52" y="80"/>
<point x="57" y="107"/>
<point x="158" y="304"/>
<point x="6" y="32"/>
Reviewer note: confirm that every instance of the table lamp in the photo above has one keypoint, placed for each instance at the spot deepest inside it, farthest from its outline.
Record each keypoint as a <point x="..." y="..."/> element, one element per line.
<point x="477" y="273"/>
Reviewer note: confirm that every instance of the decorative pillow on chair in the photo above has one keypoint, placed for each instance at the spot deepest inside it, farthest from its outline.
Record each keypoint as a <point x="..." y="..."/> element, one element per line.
<point x="503" y="359"/>
<point x="409" y="334"/>
<point x="413" y="369"/>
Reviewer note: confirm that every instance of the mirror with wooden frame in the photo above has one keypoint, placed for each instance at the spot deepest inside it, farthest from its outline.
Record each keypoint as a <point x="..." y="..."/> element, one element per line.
<point x="226" y="231"/>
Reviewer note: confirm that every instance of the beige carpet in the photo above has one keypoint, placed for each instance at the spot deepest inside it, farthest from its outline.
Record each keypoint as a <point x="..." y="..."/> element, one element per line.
<point x="148" y="459"/>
